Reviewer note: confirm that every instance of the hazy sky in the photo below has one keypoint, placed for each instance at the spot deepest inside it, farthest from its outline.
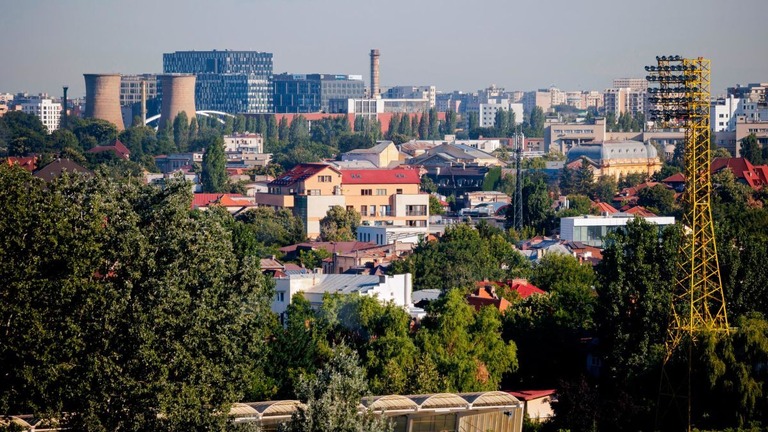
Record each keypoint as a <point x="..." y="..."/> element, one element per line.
<point x="455" y="45"/>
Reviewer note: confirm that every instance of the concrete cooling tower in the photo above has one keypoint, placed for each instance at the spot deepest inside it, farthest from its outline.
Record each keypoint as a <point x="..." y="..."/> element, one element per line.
<point x="102" y="98"/>
<point x="178" y="95"/>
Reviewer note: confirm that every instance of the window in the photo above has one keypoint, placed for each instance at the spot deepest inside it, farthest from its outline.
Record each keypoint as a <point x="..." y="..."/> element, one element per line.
<point x="364" y="210"/>
<point x="381" y="191"/>
<point x="385" y="210"/>
<point x="416" y="210"/>
<point x="280" y="296"/>
<point x="399" y="191"/>
<point x="324" y="179"/>
<point x="313" y="192"/>
<point x="366" y="192"/>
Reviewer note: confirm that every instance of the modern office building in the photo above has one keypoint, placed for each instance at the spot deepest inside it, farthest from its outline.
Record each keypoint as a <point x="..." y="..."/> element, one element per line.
<point x="412" y="92"/>
<point x="312" y="92"/>
<point x="591" y="230"/>
<point x="230" y="81"/>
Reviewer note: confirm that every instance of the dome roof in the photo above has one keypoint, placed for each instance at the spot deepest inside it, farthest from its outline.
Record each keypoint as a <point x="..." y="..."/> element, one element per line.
<point x="612" y="150"/>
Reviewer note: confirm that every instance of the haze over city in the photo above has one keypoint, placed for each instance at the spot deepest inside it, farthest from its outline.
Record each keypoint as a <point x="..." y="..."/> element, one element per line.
<point x="454" y="45"/>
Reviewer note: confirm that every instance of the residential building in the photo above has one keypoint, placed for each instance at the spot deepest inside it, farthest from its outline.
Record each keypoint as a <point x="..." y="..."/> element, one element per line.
<point x="48" y="111"/>
<point x="591" y="230"/>
<point x="537" y="403"/>
<point x="631" y="83"/>
<point x="233" y="203"/>
<point x="383" y="155"/>
<point x="537" y="98"/>
<point x="487" y="112"/>
<point x="625" y="100"/>
<point x="389" y="234"/>
<point x="116" y="147"/>
<point x="245" y="142"/>
<point x="616" y="158"/>
<point x="229" y="81"/>
<point x="753" y="176"/>
<point x="392" y="288"/>
<point x="412" y="92"/>
<point x="386" y="196"/>
<point x="454" y="154"/>
<point x="173" y="162"/>
<point x="754" y="92"/>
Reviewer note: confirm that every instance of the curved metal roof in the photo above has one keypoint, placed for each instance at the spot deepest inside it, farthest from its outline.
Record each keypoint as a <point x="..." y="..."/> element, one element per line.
<point x="261" y="410"/>
<point x="390" y="403"/>
<point x="597" y="152"/>
<point x="489" y="399"/>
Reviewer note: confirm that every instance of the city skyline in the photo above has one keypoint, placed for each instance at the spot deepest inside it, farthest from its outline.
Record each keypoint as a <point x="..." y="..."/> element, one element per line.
<point x="450" y="44"/>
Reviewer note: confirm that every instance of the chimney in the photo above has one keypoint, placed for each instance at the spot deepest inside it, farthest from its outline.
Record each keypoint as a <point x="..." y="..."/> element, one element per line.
<point x="63" y="122"/>
<point x="375" y="74"/>
<point x="143" y="102"/>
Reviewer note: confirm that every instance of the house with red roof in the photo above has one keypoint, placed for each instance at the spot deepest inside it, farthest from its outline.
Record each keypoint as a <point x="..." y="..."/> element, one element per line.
<point x="28" y="163"/>
<point x="382" y="196"/>
<point x="753" y="176"/>
<point x="234" y="203"/>
<point x="118" y="148"/>
<point x="537" y="403"/>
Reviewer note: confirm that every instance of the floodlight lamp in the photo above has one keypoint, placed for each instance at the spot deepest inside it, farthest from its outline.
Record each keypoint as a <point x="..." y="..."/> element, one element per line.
<point x="663" y="58"/>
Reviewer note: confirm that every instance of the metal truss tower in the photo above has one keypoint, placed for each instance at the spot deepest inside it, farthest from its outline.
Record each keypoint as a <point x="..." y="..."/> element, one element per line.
<point x="679" y="93"/>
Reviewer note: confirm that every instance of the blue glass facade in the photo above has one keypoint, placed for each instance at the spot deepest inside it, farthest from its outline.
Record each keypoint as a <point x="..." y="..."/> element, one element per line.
<point x="313" y="92"/>
<point x="229" y="81"/>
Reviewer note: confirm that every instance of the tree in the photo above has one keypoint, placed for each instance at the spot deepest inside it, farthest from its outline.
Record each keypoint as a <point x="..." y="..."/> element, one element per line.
<point x="535" y="124"/>
<point x="466" y="347"/>
<point x="605" y="188"/>
<point x="181" y="131"/>
<point x="750" y="149"/>
<point x="423" y="126"/>
<point x="501" y="123"/>
<point x="214" y="175"/>
<point x="450" y="122"/>
<point x="332" y="396"/>
<point x="658" y="199"/>
<point x="339" y="224"/>
<point x="584" y="179"/>
<point x="434" y="125"/>
<point x="537" y="204"/>
<point x="435" y="208"/>
<point x="128" y="272"/>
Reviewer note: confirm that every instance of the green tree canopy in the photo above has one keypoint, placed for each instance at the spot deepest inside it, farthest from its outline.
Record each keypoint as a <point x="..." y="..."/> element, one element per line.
<point x="139" y="288"/>
<point x="339" y="224"/>
<point x="214" y="175"/>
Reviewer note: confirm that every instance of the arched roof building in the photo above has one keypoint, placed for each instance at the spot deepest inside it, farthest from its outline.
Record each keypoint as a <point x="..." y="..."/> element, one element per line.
<point x="616" y="158"/>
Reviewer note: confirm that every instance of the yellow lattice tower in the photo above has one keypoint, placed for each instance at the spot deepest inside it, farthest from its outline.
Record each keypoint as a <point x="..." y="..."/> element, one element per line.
<point x="681" y="99"/>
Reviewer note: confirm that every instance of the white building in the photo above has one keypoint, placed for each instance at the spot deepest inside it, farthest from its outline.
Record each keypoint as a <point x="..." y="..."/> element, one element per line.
<point x="487" y="114"/>
<point x="245" y="142"/>
<point x="45" y="109"/>
<point x="391" y="288"/>
<point x="412" y="92"/>
<point x="388" y="234"/>
<point x="591" y="230"/>
<point x="724" y="113"/>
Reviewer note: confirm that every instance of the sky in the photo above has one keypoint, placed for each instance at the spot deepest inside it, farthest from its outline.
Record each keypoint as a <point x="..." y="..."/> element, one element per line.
<point x="452" y="44"/>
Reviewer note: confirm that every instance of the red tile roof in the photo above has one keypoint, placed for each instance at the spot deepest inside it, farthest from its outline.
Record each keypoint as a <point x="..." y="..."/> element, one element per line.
<point x="754" y="177"/>
<point x="116" y="146"/>
<point x="202" y="200"/>
<point x="29" y="163"/>
<point x="524" y="289"/>
<point x="639" y="211"/>
<point x="604" y="207"/>
<point x="300" y="173"/>
<point x="675" y="178"/>
<point x="380" y="176"/>
<point x="526" y="395"/>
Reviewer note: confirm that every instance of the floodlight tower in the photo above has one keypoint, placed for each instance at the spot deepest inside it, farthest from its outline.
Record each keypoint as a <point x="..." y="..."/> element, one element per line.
<point x="679" y="94"/>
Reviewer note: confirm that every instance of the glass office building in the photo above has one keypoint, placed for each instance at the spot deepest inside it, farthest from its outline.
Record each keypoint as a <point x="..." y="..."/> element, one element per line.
<point x="310" y="93"/>
<point x="230" y="81"/>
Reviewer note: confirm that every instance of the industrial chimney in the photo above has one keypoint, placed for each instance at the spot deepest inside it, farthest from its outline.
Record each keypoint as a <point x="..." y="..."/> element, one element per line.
<point x="375" y="74"/>
<point x="102" y="98"/>
<point x="64" y="105"/>
<point x="178" y="96"/>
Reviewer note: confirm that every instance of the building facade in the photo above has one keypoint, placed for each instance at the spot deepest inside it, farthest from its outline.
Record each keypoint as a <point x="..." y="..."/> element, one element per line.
<point x="48" y="111"/>
<point x="130" y="88"/>
<point x="617" y="158"/>
<point x="312" y="93"/>
<point x="591" y="230"/>
<point x="412" y="92"/>
<point x="230" y="81"/>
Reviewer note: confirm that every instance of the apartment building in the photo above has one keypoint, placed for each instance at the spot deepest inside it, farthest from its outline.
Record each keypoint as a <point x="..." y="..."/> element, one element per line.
<point x="381" y="196"/>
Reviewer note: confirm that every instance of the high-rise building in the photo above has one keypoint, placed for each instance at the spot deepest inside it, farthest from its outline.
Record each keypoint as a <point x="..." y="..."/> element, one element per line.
<point x="633" y="83"/>
<point x="45" y="109"/>
<point x="229" y="81"/>
<point x="312" y="93"/>
<point x="130" y="88"/>
<point x="412" y="92"/>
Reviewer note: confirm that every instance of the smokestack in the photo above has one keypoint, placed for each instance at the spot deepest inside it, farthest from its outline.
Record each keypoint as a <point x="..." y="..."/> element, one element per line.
<point x="178" y="96"/>
<point x="102" y="98"/>
<point x="375" y="74"/>
<point x="63" y="123"/>
<point x="143" y="102"/>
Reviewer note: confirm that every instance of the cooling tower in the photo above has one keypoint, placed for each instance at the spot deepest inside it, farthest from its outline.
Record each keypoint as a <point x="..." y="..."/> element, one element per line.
<point x="178" y="96"/>
<point x="375" y="73"/>
<point x="102" y="98"/>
